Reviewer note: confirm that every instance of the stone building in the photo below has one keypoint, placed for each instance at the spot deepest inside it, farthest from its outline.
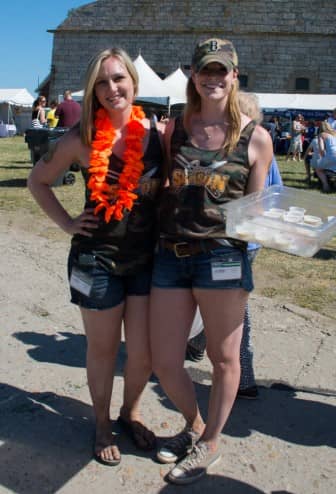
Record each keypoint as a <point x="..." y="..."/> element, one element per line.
<point x="283" y="46"/>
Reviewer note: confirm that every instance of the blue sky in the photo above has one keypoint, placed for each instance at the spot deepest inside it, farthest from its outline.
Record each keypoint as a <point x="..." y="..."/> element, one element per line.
<point x="25" y="45"/>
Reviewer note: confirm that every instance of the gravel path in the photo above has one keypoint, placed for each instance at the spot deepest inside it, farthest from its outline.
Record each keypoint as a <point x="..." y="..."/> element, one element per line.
<point x="282" y="443"/>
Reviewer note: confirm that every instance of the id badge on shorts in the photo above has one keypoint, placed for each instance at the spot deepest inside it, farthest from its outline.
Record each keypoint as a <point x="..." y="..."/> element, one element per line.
<point x="81" y="281"/>
<point x="227" y="268"/>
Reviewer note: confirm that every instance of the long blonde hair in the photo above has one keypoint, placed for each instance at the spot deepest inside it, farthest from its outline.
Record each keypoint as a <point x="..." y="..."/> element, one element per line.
<point x="90" y="102"/>
<point x="249" y="105"/>
<point x="326" y="127"/>
<point x="193" y="105"/>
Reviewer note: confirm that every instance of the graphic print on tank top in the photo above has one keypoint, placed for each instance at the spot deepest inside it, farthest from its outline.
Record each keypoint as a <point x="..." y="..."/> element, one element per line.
<point x="208" y="169"/>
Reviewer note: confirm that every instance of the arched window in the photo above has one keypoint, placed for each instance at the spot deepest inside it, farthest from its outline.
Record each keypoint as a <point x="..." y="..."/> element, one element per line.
<point x="302" y="84"/>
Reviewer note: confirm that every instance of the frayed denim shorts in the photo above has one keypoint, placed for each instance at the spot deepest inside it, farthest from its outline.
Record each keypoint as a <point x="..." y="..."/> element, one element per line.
<point x="94" y="287"/>
<point x="223" y="267"/>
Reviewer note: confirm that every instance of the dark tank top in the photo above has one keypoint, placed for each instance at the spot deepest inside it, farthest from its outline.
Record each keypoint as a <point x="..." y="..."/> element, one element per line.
<point x="200" y="182"/>
<point x="126" y="246"/>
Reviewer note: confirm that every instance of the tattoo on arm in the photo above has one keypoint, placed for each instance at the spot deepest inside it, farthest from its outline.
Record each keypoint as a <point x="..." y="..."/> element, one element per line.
<point x="48" y="156"/>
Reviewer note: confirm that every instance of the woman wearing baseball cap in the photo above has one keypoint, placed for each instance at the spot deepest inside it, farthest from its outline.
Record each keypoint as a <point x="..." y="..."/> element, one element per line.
<point x="216" y="154"/>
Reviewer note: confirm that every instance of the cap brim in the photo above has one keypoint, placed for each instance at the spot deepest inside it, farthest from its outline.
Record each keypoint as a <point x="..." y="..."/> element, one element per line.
<point x="213" y="58"/>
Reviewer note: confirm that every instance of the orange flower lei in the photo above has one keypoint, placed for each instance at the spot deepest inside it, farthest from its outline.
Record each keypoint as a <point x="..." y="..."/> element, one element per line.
<point x="101" y="150"/>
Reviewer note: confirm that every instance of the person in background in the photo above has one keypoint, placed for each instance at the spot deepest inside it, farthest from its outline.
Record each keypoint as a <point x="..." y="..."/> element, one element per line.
<point x="113" y="239"/>
<point x="327" y="147"/>
<point x="38" y="112"/>
<point x="215" y="155"/>
<point x="249" y="105"/>
<point x="311" y="131"/>
<point x="332" y="120"/>
<point x="312" y="158"/>
<point x="295" y="147"/>
<point x="68" y="112"/>
<point x="51" y="118"/>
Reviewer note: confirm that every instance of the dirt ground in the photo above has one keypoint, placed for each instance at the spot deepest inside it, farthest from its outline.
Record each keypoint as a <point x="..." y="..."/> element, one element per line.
<point x="282" y="443"/>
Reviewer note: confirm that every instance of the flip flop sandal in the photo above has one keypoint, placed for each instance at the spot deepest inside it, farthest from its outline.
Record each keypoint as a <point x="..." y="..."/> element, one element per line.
<point x="134" y="430"/>
<point x="110" y="463"/>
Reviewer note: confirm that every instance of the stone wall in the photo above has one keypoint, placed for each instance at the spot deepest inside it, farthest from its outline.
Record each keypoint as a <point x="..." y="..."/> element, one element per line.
<point x="277" y="40"/>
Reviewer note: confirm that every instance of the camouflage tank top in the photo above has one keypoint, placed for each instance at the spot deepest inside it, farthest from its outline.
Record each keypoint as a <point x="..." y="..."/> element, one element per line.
<point x="200" y="182"/>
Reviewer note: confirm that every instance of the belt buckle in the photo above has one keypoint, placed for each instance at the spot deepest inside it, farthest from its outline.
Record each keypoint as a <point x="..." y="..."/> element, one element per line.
<point x="176" y="248"/>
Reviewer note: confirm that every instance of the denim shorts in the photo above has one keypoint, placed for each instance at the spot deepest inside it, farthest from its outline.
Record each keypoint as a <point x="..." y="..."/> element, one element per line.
<point x="222" y="267"/>
<point x="94" y="287"/>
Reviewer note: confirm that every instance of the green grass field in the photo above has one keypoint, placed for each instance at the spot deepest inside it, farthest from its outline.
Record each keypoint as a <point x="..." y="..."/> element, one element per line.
<point x="306" y="282"/>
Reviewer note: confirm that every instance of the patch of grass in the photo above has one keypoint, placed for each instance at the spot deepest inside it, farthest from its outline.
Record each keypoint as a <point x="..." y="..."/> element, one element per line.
<point x="294" y="175"/>
<point x="306" y="282"/>
<point x="15" y="166"/>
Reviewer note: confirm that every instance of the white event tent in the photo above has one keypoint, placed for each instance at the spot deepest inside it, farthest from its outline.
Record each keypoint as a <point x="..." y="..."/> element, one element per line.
<point x="15" y="111"/>
<point x="296" y="101"/>
<point x="176" y="85"/>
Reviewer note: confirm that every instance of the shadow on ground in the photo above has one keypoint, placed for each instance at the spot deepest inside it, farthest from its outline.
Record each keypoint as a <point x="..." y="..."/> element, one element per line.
<point x="14" y="182"/>
<point x="46" y="439"/>
<point x="279" y="412"/>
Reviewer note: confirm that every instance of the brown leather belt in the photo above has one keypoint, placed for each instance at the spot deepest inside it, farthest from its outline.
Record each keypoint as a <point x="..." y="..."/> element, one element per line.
<point x="192" y="248"/>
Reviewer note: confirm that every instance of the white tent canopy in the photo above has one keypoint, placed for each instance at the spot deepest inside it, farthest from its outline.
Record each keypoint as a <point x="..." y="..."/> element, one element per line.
<point x="176" y="85"/>
<point x="150" y="84"/>
<point x="15" y="111"/>
<point x="296" y="101"/>
<point x="17" y="97"/>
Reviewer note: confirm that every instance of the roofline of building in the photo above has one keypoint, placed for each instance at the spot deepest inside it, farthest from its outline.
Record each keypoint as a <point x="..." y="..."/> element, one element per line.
<point x="191" y="31"/>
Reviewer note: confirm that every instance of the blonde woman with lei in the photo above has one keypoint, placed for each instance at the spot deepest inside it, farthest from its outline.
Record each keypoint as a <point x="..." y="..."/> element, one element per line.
<point x="112" y="244"/>
<point x="216" y="154"/>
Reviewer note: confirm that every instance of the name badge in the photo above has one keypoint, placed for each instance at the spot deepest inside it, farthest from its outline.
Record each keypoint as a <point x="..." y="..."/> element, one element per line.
<point x="226" y="269"/>
<point x="81" y="281"/>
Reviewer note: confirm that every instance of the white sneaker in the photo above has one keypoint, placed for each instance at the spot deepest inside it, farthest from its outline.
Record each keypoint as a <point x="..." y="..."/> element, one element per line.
<point x="178" y="446"/>
<point x="195" y="465"/>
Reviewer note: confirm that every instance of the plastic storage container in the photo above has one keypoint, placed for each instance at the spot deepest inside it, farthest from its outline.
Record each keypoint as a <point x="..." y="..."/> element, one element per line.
<point x="283" y="218"/>
<point x="38" y="141"/>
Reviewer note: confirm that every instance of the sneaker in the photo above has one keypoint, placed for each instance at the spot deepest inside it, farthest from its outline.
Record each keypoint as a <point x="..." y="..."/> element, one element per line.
<point x="195" y="465"/>
<point x="196" y="347"/>
<point x="178" y="446"/>
<point x="250" y="393"/>
<point x="194" y="355"/>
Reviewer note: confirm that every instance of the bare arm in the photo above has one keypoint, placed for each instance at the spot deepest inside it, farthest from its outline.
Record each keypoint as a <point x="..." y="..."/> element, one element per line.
<point x="66" y="151"/>
<point x="42" y="116"/>
<point x="321" y="145"/>
<point x="260" y="153"/>
<point x="308" y="150"/>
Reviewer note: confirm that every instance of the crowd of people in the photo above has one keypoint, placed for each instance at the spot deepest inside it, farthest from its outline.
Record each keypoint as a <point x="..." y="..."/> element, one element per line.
<point x="311" y="142"/>
<point x="64" y="114"/>
<point x="150" y="245"/>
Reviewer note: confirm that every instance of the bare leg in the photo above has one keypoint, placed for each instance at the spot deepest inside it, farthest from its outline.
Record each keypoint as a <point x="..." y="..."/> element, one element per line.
<point x="308" y="171"/>
<point x="171" y="315"/>
<point x="103" y="330"/>
<point x="322" y="176"/>
<point x="223" y="315"/>
<point x="138" y="366"/>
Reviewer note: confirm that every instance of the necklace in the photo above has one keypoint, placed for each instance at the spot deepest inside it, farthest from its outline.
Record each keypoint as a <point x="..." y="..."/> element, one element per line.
<point x="116" y="200"/>
<point x="211" y="129"/>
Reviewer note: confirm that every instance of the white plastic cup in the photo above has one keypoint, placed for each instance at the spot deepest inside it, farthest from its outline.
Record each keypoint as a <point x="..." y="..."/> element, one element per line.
<point x="296" y="210"/>
<point x="292" y="217"/>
